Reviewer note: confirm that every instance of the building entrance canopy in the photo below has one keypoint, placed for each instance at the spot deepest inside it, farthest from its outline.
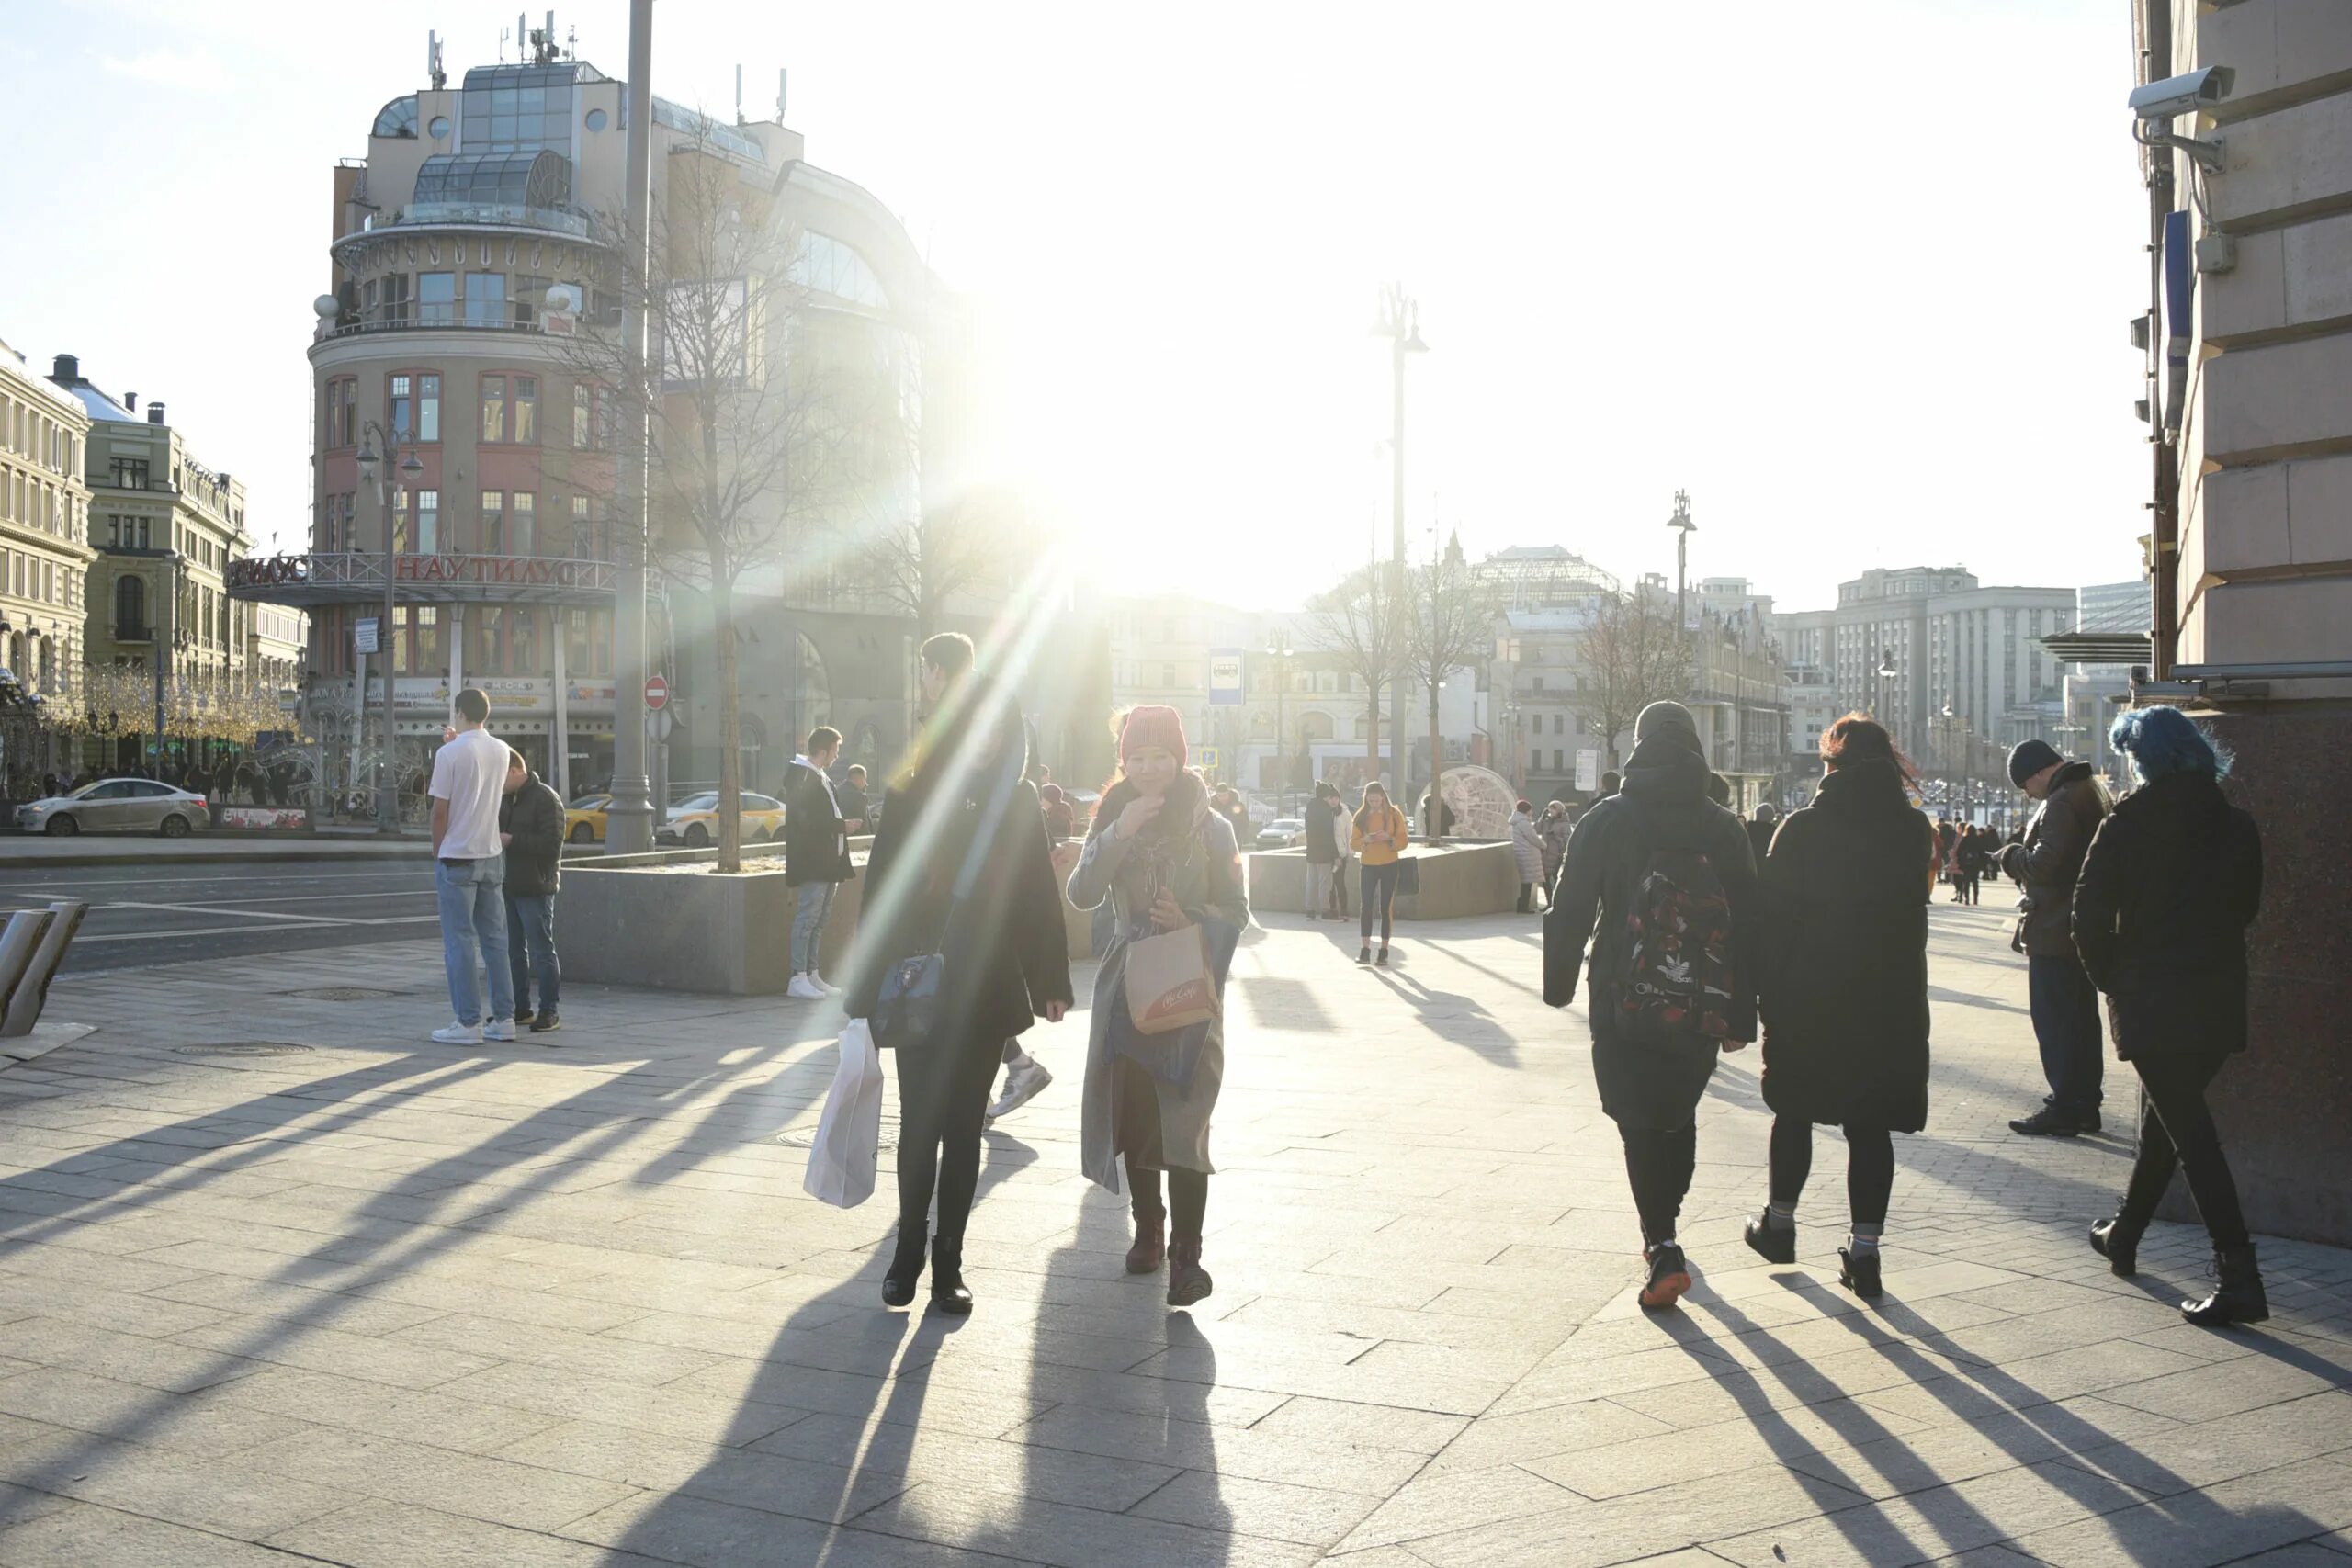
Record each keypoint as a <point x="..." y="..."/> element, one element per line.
<point x="334" y="577"/>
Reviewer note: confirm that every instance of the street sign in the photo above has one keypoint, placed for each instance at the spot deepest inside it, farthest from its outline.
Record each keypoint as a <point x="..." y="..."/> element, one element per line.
<point x="363" y="634"/>
<point x="1225" y="677"/>
<point x="657" y="724"/>
<point x="657" y="693"/>
<point x="1588" y="770"/>
<point x="1211" y="761"/>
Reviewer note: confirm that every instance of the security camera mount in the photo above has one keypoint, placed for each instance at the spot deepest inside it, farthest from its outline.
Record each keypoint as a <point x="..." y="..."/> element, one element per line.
<point x="2208" y="153"/>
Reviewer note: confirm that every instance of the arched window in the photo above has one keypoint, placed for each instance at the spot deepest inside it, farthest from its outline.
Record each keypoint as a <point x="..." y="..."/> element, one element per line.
<point x="1315" y="726"/>
<point x="131" y="608"/>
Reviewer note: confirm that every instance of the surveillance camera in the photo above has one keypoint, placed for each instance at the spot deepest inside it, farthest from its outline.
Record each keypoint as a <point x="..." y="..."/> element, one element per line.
<point x="2183" y="94"/>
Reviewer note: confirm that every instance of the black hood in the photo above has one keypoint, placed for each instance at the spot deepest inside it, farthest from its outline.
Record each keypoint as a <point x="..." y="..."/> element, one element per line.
<point x="1666" y="770"/>
<point x="1863" y="787"/>
<point x="2177" y="807"/>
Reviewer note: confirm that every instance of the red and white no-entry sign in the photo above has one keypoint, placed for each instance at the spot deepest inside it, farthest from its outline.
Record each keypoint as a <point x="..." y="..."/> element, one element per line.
<point x="657" y="693"/>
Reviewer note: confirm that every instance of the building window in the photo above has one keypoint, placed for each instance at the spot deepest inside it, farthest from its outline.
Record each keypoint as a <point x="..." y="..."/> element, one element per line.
<point x="415" y="402"/>
<point x="494" y="522"/>
<point x="437" y="298"/>
<point x="493" y="408"/>
<point x="526" y="411"/>
<point x="583" y="425"/>
<point x="392" y="298"/>
<point x="130" y="609"/>
<point x="129" y="473"/>
<point x="342" y="412"/>
<point x="485" y="298"/>
<point x="523" y="519"/>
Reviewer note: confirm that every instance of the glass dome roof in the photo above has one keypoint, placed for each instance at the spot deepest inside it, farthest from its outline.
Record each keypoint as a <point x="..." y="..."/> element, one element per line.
<point x="540" y="179"/>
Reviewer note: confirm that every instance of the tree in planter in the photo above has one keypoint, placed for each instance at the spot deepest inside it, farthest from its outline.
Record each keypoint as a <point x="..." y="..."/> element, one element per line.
<point x="1638" y="656"/>
<point x="763" y="406"/>
<point x="1357" y="623"/>
<point x="1445" y="628"/>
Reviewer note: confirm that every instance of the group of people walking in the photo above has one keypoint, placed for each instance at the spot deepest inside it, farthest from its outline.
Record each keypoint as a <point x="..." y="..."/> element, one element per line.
<point x="1687" y="939"/>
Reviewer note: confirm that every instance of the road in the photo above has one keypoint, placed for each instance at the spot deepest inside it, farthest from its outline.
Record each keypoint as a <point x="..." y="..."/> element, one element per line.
<point x="165" y="914"/>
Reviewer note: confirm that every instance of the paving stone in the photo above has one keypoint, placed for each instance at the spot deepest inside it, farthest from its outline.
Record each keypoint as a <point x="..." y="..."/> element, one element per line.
<point x="222" y="1496"/>
<point x="378" y="1534"/>
<point x="1064" y="1537"/>
<point x="2220" y="1524"/>
<point x="447" y="1419"/>
<point x="1305" y="1515"/>
<point x="77" y="1535"/>
<point x="1922" y="1526"/>
<point x="1192" y="1445"/>
<point x="203" y="1423"/>
<point x="481" y="1487"/>
<point x="900" y="1448"/>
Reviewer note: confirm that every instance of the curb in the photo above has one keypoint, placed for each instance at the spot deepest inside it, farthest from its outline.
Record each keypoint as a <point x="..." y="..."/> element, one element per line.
<point x="414" y="850"/>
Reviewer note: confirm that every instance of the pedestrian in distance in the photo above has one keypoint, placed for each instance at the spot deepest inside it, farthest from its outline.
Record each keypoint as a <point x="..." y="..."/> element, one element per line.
<point x="1061" y="823"/>
<point x="1554" y="826"/>
<point x="1842" y="988"/>
<point x="468" y="782"/>
<point x="1669" y="878"/>
<point x="1378" y="833"/>
<point x="1323" y="812"/>
<point x="1163" y="861"/>
<point x="1760" y="828"/>
<point x="815" y="856"/>
<point x="1227" y="802"/>
<point x="530" y="824"/>
<point x="850" y="796"/>
<point x="1342" y="855"/>
<point x="1610" y="783"/>
<point x="1976" y="847"/>
<point x="1527" y="851"/>
<point x="960" y="869"/>
<point x="2173" y="879"/>
<point x="2044" y="864"/>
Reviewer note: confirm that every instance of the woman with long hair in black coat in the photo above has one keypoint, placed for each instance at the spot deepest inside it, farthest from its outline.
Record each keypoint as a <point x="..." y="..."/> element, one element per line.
<point x="2173" y="879"/>
<point x="1843" y="991"/>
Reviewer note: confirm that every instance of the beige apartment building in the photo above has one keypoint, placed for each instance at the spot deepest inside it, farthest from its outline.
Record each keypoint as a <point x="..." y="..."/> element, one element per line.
<point x="2249" y="340"/>
<point x="44" y="558"/>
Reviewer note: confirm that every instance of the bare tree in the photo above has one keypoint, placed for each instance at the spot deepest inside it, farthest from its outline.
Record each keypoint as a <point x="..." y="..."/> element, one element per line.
<point x="1358" y="622"/>
<point x="923" y="558"/>
<point x="1638" y="656"/>
<point x="1446" y="628"/>
<point x="766" y="412"/>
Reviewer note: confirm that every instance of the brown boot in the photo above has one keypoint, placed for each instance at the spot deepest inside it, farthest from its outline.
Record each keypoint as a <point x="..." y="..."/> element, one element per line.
<point x="1187" y="1280"/>
<point x="1151" y="1243"/>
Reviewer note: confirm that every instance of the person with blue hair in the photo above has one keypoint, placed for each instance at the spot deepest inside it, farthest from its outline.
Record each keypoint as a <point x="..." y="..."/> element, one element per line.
<point x="2173" y="879"/>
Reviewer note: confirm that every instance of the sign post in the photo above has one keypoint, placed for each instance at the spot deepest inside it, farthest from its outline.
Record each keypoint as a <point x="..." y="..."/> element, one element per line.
<point x="364" y="634"/>
<point x="1225" y="677"/>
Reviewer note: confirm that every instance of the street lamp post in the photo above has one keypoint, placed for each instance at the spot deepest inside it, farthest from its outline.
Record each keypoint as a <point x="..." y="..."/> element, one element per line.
<point x="1680" y="522"/>
<point x="371" y="471"/>
<point x="1399" y="321"/>
<point x="629" y="816"/>
<point x="1278" y="650"/>
<point x="1879" y="678"/>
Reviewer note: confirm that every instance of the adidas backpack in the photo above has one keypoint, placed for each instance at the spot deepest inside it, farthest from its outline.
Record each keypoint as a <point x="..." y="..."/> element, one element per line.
<point x="1678" y="977"/>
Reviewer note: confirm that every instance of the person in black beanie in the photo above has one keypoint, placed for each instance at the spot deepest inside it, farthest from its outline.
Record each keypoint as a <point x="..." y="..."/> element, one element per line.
<point x="2058" y="992"/>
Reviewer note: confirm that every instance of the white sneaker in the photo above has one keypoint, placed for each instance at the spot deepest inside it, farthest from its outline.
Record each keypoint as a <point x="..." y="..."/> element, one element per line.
<point x="459" y="1034"/>
<point x="805" y="990"/>
<point x="499" y="1028"/>
<point x="823" y="985"/>
<point x="1025" y="1081"/>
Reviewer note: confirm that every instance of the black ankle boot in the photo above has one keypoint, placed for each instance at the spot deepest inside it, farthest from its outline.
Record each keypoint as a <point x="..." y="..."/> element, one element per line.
<point x="2239" y="1297"/>
<point x="2118" y="1241"/>
<point x="947" y="1291"/>
<point x="906" y="1268"/>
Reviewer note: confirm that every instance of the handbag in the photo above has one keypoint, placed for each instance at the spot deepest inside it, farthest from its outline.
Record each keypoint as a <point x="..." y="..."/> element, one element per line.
<point x="1169" y="982"/>
<point x="1172" y="1056"/>
<point x="909" y="1003"/>
<point x="842" y="1157"/>
<point x="1409" y="876"/>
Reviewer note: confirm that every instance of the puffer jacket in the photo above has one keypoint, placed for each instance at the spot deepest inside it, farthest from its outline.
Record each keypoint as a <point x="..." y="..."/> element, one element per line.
<point x="2046" y="864"/>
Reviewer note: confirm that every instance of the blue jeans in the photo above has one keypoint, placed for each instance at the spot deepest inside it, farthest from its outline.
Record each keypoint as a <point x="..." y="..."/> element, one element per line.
<point x="530" y="948"/>
<point x="2065" y="1020"/>
<point x="808" y="925"/>
<point x="473" y="931"/>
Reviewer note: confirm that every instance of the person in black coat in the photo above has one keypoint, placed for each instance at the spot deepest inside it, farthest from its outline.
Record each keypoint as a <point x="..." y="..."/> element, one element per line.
<point x="1760" y="828"/>
<point x="1843" y="990"/>
<point x="1651" y="1087"/>
<point x="959" y="867"/>
<point x="530" y="824"/>
<point x="816" y="829"/>
<point x="2173" y="879"/>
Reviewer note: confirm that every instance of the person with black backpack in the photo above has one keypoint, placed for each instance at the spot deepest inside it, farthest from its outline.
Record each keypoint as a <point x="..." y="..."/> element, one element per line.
<point x="1669" y="878"/>
<point x="1843" y="988"/>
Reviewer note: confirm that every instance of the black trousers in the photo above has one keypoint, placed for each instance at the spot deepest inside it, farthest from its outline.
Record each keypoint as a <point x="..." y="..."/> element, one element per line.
<point x="1377" y="887"/>
<point x="2176" y="1133"/>
<point x="943" y="1099"/>
<point x="1660" y="1162"/>
<point x="1188" y="1197"/>
<point x="1869" y="1166"/>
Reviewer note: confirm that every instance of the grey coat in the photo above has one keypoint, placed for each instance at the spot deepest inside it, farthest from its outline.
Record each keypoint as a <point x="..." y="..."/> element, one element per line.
<point x="1527" y="846"/>
<point x="1109" y="871"/>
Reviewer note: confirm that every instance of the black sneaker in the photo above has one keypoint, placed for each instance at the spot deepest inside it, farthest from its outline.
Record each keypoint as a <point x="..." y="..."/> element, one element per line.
<point x="1363" y="954"/>
<point x="1669" y="1276"/>
<point x="546" y="1023"/>
<point x="1773" y="1243"/>
<point x="1858" y="1272"/>
<point x="1384" y="958"/>
<point x="523" y="1017"/>
<point x="2087" y="1123"/>
<point x="2050" y="1123"/>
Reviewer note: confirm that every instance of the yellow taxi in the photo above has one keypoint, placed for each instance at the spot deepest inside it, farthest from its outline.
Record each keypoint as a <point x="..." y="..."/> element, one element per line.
<point x="694" y="822"/>
<point x="583" y="819"/>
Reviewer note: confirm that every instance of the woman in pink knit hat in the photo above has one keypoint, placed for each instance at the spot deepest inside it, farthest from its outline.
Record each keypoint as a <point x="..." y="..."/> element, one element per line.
<point x="1161" y="859"/>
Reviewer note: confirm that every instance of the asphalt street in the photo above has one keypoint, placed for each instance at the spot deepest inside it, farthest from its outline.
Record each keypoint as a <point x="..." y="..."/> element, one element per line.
<point x="164" y="914"/>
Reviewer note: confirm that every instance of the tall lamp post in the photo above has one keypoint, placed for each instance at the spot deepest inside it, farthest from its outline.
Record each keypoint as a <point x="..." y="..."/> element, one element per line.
<point x="1399" y="321"/>
<point x="1680" y="522"/>
<point x="629" y="816"/>
<point x="1879" y="678"/>
<point x="373" y="471"/>
<point x="1278" y="650"/>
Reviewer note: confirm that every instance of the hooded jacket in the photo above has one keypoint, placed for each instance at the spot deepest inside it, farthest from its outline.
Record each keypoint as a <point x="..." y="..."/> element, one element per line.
<point x="816" y="830"/>
<point x="2046" y="864"/>
<point x="534" y="815"/>
<point x="2173" y="879"/>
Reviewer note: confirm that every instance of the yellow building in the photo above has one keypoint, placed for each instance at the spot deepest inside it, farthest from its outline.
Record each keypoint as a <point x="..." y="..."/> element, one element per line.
<point x="44" y="557"/>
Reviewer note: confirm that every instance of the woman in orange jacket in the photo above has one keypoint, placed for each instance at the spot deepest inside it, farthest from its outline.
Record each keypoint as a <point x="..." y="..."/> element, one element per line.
<point x="1378" y="835"/>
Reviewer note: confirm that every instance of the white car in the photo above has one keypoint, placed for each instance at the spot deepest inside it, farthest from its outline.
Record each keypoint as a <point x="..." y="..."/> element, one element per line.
<point x="1283" y="833"/>
<point x="118" y="806"/>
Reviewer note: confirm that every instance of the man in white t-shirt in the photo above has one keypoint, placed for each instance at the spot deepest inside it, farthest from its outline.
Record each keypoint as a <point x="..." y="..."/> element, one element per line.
<point x="469" y="871"/>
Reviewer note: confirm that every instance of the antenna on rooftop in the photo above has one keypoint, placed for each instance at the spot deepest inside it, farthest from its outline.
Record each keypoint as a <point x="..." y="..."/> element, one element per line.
<point x="432" y="61"/>
<point x="739" y="94"/>
<point x="571" y="43"/>
<point x="503" y="36"/>
<point x="779" y="95"/>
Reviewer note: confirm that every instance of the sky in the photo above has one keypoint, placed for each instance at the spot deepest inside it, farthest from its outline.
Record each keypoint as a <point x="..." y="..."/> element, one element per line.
<point x="1855" y="274"/>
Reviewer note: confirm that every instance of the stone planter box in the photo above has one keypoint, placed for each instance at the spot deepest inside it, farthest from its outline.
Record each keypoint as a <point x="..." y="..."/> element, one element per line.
<point x="668" y="921"/>
<point x="1457" y="878"/>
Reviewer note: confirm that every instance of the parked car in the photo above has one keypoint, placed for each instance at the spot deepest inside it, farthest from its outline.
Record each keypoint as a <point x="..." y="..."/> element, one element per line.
<point x="583" y="819"/>
<point x="1283" y="833"/>
<point x="694" y="822"/>
<point x="118" y="806"/>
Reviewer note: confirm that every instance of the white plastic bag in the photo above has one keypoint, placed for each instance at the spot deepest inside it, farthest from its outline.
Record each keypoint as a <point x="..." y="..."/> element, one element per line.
<point x="842" y="1160"/>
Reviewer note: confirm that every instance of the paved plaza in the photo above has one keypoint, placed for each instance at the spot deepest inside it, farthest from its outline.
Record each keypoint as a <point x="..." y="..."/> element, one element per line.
<point x="378" y="1303"/>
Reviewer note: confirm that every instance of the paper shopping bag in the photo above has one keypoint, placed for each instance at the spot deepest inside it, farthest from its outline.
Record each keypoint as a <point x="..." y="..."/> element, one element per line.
<point x="848" y="1133"/>
<point x="1169" y="984"/>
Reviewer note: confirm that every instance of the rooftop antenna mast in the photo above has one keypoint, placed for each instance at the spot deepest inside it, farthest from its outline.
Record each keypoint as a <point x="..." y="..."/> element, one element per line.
<point x="432" y="71"/>
<point x="503" y="36"/>
<point x="779" y="95"/>
<point x="571" y="41"/>
<point x="739" y="94"/>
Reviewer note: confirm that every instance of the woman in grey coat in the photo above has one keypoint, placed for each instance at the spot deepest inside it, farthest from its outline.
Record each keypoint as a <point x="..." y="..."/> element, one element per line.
<point x="1527" y="849"/>
<point x="1161" y="858"/>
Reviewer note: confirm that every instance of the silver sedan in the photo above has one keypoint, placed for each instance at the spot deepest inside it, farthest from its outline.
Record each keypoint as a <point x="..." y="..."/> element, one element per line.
<point x="118" y="806"/>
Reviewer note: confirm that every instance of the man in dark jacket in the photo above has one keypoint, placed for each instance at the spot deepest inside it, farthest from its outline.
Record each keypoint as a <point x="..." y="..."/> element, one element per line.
<point x="530" y="824"/>
<point x="815" y="855"/>
<point x="1649" y="1087"/>
<point x="960" y="867"/>
<point x="1760" y="828"/>
<point x="1322" y="851"/>
<point x="2060" y="995"/>
<point x="850" y="795"/>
